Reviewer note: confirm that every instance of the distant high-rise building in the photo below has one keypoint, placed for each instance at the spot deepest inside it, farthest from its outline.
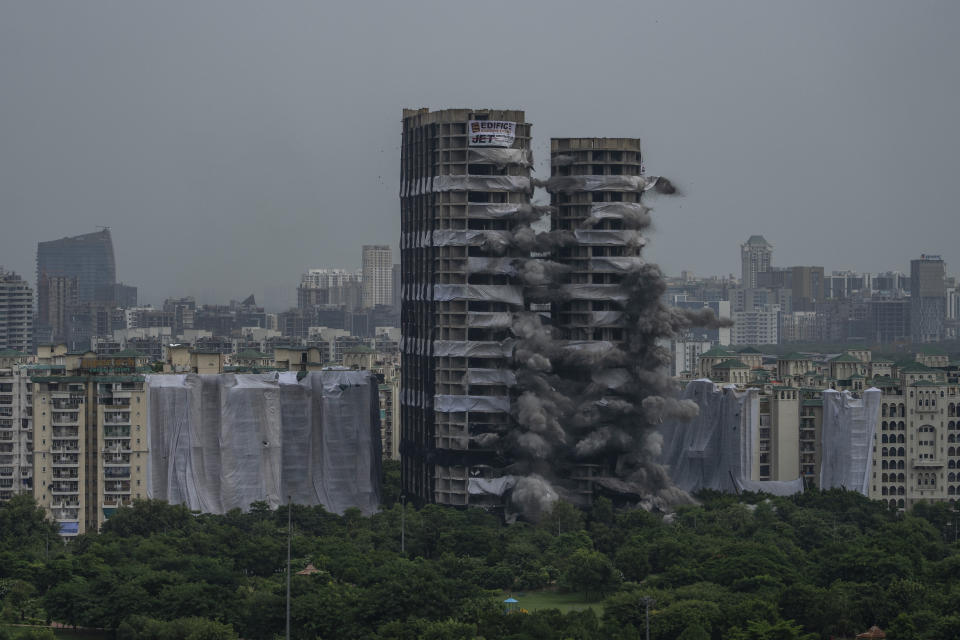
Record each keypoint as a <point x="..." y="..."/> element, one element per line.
<point x="808" y="287"/>
<point x="756" y="256"/>
<point x="117" y="295"/>
<point x="57" y="297"/>
<point x="334" y="287"/>
<point x="888" y="320"/>
<point x="377" y="275"/>
<point x="16" y="313"/>
<point x="928" y="298"/>
<point x="756" y="327"/>
<point x="396" y="274"/>
<point x="87" y="258"/>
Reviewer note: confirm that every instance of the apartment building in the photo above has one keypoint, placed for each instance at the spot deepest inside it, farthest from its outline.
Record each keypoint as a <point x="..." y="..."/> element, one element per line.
<point x="16" y="425"/>
<point x="16" y="313"/>
<point x="913" y="444"/>
<point x="89" y="436"/>
<point x="377" y="281"/>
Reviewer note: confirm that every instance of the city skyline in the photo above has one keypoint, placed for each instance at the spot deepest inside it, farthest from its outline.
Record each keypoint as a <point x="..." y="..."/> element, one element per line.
<point x="786" y="135"/>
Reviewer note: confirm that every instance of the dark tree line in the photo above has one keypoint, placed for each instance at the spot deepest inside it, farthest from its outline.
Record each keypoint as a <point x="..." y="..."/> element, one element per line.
<point x="741" y="568"/>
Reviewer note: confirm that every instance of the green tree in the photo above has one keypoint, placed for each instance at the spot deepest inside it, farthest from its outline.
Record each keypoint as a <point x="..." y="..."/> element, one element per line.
<point x="694" y="632"/>
<point x="763" y="630"/>
<point x="24" y="525"/>
<point x="591" y="572"/>
<point x="20" y="595"/>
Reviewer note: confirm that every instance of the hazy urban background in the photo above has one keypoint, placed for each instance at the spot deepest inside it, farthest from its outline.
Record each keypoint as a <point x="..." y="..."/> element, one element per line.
<point x="230" y="146"/>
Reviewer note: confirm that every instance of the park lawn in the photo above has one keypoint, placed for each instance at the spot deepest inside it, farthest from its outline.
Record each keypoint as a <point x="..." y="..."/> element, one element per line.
<point x="548" y="599"/>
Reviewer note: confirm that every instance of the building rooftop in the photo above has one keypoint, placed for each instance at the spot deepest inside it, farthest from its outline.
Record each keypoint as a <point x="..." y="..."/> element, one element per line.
<point x="251" y="354"/>
<point x="916" y="367"/>
<point x="360" y="349"/>
<point x="731" y="364"/>
<point x="846" y="357"/>
<point x="127" y="353"/>
<point x="794" y="356"/>
<point x="716" y="352"/>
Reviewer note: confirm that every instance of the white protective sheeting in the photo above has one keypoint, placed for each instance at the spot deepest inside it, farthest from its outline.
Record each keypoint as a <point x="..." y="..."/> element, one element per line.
<point x="847" y="439"/>
<point x="610" y="237"/>
<point x="494" y="209"/>
<point x="476" y="404"/>
<point x="471" y="237"/>
<point x="500" y="157"/>
<point x="605" y="318"/>
<point x="715" y="450"/>
<point x="472" y="348"/>
<point x="616" y="263"/>
<point x="602" y="292"/>
<point x="617" y="210"/>
<point x="503" y="266"/>
<point x="569" y="184"/>
<point x="221" y="442"/>
<point x="490" y="319"/>
<point x="480" y="183"/>
<point x="510" y="294"/>
<point x="490" y="377"/>
<point x="492" y="486"/>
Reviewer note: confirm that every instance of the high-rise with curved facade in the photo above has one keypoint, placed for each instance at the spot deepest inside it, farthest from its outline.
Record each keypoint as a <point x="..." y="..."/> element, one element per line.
<point x="88" y="258"/>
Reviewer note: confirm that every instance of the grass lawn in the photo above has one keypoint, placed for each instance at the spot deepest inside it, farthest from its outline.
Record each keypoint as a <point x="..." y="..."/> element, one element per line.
<point x="533" y="600"/>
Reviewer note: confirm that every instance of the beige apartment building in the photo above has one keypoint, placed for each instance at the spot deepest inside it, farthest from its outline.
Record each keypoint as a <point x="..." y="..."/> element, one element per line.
<point x="915" y="443"/>
<point x="90" y="442"/>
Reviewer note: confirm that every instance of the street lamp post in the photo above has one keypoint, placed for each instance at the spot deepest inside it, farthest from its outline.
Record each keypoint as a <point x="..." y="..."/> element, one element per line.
<point x="647" y="600"/>
<point x="403" y="523"/>
<point x="289" y="536"/>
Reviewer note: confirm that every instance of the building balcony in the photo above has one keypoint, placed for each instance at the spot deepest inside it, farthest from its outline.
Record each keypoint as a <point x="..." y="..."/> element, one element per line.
<point x="70" y="434"/>
<point x="65" y="461"/>
<point x="63" y="448"/>
<point x="927" y="464"/>
<point x="116" y="488"/>
<point x="63" y="490"/>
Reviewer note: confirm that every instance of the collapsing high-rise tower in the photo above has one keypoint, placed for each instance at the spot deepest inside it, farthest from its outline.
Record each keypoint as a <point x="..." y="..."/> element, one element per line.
<point x="530" y="367"/>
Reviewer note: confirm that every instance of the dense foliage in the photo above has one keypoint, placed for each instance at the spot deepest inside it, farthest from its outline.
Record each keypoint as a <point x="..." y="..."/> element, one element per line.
<point x="749" y="567"/>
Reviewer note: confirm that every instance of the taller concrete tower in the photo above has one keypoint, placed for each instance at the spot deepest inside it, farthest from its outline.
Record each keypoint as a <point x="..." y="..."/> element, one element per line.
<point x="465" y="179"/>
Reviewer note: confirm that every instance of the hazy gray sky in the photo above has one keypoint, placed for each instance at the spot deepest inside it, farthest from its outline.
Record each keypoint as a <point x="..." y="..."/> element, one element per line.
<point x="231" y="145"/>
